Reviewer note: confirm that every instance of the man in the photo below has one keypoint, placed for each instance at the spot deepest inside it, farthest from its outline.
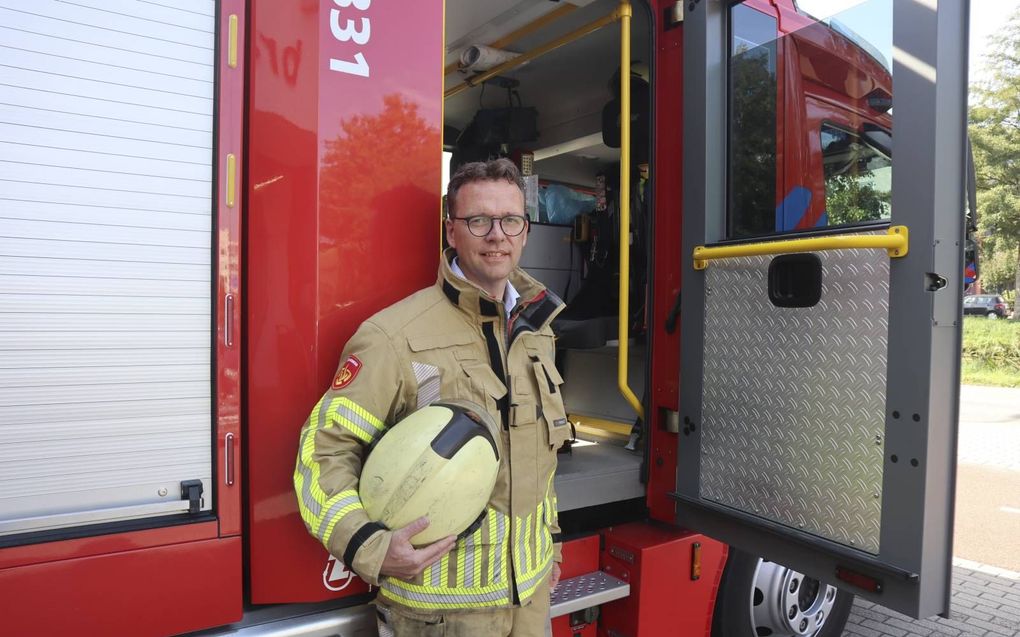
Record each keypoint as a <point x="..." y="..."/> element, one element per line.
<point x="481" y="333"/>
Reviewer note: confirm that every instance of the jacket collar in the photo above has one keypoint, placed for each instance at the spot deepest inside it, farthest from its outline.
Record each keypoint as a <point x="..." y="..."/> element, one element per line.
<point x="536" y="301"/>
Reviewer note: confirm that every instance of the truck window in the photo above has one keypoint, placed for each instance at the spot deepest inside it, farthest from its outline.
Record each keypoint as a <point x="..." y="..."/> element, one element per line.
<point x="751" y="199"/>
<point x="809" y="118"/>
<point x="858" y="178"/>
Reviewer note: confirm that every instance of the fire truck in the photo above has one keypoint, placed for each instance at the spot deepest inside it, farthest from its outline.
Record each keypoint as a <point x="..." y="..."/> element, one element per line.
<point x="201" y="200"/>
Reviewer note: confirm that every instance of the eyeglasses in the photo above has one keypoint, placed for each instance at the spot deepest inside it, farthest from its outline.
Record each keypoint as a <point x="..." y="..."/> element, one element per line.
<point x="481" y="225"/>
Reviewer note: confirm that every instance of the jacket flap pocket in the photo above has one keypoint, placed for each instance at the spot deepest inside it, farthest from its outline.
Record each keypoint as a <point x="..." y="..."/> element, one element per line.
<point x="484" y="376"/>
<point x="550" y="368"/>
<point x="438" y="341"/>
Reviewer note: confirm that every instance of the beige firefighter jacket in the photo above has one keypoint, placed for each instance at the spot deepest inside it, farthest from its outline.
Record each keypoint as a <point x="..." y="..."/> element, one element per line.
<point x="448" y="341"/>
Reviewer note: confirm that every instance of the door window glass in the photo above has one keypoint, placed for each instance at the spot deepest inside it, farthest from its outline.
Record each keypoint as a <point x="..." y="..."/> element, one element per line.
<point x="809" y="116"/>
<point x="752" y="123"/>
<point x="858" y="176"/>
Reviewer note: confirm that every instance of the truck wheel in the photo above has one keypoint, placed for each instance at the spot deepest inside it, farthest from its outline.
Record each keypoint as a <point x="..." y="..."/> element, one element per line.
<point x="759" y="598"/>
<point x="992" y="315"/>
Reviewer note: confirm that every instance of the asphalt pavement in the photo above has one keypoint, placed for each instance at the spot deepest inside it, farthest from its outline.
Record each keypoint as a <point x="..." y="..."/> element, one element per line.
<point x="986" y="569"/>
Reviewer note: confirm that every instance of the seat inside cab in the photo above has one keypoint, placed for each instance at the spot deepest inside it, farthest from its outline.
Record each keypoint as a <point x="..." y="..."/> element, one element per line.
<point x="557" y="117"/>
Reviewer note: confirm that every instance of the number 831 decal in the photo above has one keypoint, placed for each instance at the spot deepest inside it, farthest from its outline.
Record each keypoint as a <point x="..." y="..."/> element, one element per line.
<point x="347" y="26"/>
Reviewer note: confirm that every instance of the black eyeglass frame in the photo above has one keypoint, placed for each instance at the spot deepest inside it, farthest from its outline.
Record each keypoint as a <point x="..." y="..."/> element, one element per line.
<point x="492" y="222"/>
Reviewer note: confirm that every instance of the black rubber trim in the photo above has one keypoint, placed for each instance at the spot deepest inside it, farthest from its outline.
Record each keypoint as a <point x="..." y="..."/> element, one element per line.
<point x="451" y="293"/>
<point x="459" y="431"/>
<point x="487" y="307"/>
<point x="105" y="528"/>
<point x="535" y="315"/>
<point x="360" y="537"/>
<point x="496" y="362"/>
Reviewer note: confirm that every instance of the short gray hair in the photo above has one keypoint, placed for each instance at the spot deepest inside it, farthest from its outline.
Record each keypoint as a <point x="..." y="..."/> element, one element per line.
<point x="493" y="170"/>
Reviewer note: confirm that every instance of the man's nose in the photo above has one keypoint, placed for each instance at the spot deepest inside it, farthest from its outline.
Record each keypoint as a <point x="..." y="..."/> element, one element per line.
<point x="495" y="232"/>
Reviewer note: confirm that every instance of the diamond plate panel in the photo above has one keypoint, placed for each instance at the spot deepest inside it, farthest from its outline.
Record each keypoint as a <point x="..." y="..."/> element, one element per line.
<point x="793" y="405"/>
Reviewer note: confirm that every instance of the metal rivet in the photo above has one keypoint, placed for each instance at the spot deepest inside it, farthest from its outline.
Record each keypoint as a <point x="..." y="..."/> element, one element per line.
<point x="162" y="491"/>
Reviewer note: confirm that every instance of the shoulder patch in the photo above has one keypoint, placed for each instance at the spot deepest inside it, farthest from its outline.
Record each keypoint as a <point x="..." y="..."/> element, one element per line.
<point x="348" y="371"/>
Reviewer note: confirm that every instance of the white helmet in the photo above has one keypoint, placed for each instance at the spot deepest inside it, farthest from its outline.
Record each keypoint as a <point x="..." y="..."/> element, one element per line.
<point x="440" y="461"/>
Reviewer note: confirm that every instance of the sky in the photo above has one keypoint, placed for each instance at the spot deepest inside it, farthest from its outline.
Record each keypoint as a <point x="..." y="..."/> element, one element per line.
<point x="986" y="17"/>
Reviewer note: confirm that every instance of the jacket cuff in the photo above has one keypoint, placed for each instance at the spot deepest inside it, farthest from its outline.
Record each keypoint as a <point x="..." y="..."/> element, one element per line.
<point x="368" y="555"/>
<point x="557" y="552"/>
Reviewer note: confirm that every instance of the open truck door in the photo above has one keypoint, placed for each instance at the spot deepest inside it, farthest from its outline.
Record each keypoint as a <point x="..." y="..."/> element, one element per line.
<point x="821" y="319"/>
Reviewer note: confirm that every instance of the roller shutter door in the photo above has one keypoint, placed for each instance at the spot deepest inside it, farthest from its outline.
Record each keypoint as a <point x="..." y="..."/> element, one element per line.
<point x="106" y="246"/>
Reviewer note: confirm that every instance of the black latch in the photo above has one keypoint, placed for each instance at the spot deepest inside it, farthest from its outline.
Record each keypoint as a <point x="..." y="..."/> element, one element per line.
<point x="191" y="490"/>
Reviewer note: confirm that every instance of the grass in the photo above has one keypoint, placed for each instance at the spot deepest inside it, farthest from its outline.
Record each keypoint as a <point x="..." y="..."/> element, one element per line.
<point x="991" y="352"/>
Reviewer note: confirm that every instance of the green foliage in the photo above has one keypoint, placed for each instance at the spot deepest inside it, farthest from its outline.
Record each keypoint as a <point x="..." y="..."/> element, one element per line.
<point x="991" y="352"/>
<point x="850" y="199"/>
<point x="995" y="134"/>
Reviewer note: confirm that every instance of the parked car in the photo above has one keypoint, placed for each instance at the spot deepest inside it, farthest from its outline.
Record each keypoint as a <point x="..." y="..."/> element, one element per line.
<point x="991" y="305"/>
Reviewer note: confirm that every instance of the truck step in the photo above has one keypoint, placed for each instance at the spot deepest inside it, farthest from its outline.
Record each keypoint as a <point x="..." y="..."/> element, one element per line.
<point x="585" y="591"/>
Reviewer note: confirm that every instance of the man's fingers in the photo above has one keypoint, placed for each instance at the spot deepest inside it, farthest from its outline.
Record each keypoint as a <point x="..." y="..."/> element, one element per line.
<point x="412" y="529"/>
<point x="432" y="552"/>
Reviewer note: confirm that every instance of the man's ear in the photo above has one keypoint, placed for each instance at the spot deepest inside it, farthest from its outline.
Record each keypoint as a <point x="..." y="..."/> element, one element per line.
<point x="449" y="233"/>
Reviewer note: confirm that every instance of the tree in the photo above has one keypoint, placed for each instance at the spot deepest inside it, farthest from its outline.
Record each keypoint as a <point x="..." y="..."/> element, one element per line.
<point x="995" y="134"/>
<point x="852" y="199"/>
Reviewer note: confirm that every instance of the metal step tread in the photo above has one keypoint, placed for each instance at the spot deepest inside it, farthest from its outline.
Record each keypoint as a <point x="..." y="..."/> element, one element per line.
<point x="585" y="591"/>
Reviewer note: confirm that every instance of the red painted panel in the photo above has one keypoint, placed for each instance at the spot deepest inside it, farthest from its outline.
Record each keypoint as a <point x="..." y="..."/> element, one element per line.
<point x="157" y="591"/>
<point x="343" y="219"/>
<point x="664" y="600"/>
<point x="228" y="274"/>
<point x="668" y="171"/>
<point x="100" y="544"/>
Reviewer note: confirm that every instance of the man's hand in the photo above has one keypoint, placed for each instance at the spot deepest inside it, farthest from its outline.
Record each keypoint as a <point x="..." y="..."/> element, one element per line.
<point x="554" y="577"/>
<point x="403" y="560"/>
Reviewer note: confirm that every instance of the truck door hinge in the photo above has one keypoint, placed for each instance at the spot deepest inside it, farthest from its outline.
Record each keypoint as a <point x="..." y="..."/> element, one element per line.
<point x="191" y="490"/>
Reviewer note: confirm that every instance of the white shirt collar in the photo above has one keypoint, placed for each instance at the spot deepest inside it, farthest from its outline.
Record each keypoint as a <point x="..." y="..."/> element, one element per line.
<point x="510" y="295"/>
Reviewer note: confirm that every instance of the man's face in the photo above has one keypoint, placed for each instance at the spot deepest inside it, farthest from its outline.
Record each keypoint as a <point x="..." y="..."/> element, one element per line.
<point x="487" y="261"/>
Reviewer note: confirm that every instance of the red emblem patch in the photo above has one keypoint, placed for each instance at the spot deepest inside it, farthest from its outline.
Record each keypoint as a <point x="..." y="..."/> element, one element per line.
<point x="348" y="371"/>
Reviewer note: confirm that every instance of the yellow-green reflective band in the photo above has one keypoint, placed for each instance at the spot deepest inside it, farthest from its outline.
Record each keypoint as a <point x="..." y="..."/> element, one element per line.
<point x="526" y="586"/>
<point x="417" y="596"/>
<point x="339" y="506"/>
<point x="444" y="571"/>
<point x="357" y="420"/>
<point x="311" y="498"/>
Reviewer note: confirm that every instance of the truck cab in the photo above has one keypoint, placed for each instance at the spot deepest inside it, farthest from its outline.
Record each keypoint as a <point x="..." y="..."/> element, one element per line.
<point x="762" y="316"/>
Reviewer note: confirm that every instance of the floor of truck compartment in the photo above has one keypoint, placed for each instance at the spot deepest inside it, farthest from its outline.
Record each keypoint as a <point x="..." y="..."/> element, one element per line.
<point x="595" y="474"/>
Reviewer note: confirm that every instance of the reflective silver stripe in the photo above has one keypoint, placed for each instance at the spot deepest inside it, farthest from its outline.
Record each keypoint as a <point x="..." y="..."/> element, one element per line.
<point x="357" y="421"/>
<point x="436" y="573"/>
<point x="469" y="562"/>
<point x="497" y="572"/>
<point x="333" y="510"/>
<point x="531" y="582"/>
<point x="305" y="465"/>
<point x="429" y="382"/>
<point x="443" y="598"/>
<point x="522" y="548"/>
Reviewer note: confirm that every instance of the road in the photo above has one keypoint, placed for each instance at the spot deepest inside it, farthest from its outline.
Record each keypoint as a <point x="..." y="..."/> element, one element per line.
<point x="988" y="477"/>
<point x="986" y="575"/>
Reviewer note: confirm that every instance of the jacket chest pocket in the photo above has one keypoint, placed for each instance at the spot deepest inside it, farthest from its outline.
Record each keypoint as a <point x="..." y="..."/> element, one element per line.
<point x="478" y="383"/>
<point x="549" y="383"/>
<point x="447" y="367"/>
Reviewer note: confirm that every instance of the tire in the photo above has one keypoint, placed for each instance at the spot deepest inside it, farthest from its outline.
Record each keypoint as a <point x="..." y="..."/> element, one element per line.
<point x="749" y="583"/>
<point x="992" y="316"/>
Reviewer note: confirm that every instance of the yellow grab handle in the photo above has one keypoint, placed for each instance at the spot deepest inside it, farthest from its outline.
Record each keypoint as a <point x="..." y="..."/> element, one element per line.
<point x="895" y="242"/>
<point x="624" y="11"/>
